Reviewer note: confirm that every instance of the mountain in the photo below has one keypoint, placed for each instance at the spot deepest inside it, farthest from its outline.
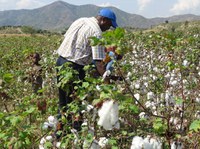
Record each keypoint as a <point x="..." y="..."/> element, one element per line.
<point x="59" y="15"/>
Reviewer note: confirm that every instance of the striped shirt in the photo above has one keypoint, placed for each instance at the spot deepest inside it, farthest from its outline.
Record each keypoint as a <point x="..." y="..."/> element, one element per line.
<point x="76" y="47"/>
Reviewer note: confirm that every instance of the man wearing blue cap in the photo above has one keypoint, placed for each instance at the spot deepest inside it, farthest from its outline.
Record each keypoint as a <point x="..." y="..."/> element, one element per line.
<point x="76" y="50"/>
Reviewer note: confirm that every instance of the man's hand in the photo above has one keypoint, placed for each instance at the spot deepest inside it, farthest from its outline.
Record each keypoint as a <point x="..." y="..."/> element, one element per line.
<point x="100" y="67"/>
<point x="111" y="48"/>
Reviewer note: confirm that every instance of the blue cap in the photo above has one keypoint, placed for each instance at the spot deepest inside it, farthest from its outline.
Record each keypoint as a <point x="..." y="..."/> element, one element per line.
<point x="105" y="12"/>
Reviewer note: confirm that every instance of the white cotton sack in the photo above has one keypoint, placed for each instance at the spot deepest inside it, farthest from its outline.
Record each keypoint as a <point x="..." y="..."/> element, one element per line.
<point x="108" y="115"/>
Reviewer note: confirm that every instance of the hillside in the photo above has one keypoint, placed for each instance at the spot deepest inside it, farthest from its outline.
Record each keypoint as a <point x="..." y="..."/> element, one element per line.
<point x="60" y="15"/>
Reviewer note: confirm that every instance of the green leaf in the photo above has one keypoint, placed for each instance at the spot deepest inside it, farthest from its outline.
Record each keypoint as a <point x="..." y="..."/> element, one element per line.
<point x="159" y="126"/>
<point x="85" y="84"/>
<point x="112" y="142"/>
<point x="31" y="110"/>
<point x="104" y="95"/>
<point x="7" y="77"/>
<point x="48" y="145"/>
<point x="15" y="120"/>
<point x="134" y="108"/>
<point x="195" y="126"/>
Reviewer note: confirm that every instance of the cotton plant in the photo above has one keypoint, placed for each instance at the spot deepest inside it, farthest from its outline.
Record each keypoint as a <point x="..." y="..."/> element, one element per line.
<point x="108" y="115"/>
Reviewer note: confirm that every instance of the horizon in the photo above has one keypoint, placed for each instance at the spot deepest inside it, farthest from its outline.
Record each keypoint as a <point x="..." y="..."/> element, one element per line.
<point x="145" y="8"/>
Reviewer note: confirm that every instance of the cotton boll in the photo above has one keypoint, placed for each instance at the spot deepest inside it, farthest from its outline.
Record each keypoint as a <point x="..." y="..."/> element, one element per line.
<point x="137" y="143"/>
<point x="83" y="111"/>
<point x="176" y="145"/>
<point x="49" y="138"/>
<point x="174" y="120"/>
<point x="108" y="114"/>
<point x="52" y="121"/>
<point x="168" y="76"/>
<point x="137" y="96"/>
<point x="169" y="99"/>
<point x="84" y="124"/>
<point x="143" y="115"/>
<point x="155" y="143"/>
<point x="150" y="95"/>
<point x="58" y="144"/>
<point x="173" y="82"/>
<point x="114" y="113"/>
<point x="42" y="141"/>
<point x="89" y="108"/>
<point x="197" y="114"/>
<point x="185" y="81"/>
<point x="98" y="87"/>
<point x="45" y="126"/>
<point x="156" y="69"/>
<point x="185" y="63"/>
<point x="103" y="141"/>
<point x="137" y="85"/>
<point x="41" y="147"/>
<point x="148" y="104"/>
<point x="104" y="114"/>
<point x="146" y="143"/>
<point x="146" y="84"/>
<point x="198" y="99"/>
<point x="129" y="74"/>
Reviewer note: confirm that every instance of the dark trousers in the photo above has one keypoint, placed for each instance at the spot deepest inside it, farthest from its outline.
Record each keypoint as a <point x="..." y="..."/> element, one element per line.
<point x="64" y="97"/>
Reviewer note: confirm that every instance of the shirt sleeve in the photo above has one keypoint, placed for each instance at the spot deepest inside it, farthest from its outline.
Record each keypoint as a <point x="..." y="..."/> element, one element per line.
<point x="98" y="52"/>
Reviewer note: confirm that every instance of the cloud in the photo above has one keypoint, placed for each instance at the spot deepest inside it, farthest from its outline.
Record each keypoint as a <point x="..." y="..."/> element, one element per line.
<point x="184" y="5"/>
<point x="28" y="4"/>
<point x="143" y="3"/>
<point x="107" y="5"/>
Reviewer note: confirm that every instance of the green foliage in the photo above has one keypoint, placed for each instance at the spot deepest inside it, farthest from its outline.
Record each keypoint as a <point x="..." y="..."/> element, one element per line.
<point x="195" y="126"/>
<point x="115" y="38"/>
<point x="153" y="59"/>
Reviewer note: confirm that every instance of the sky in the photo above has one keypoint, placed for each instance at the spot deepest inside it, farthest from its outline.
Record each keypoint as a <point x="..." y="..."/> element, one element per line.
<point x="146" y="8"/>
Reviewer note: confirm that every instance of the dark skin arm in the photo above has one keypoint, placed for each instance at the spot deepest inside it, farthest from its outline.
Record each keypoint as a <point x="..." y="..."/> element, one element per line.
<point x="100" y="67"/>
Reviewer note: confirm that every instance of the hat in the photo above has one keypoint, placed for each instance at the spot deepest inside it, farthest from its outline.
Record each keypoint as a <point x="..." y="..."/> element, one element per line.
<point x="105" y="12"/>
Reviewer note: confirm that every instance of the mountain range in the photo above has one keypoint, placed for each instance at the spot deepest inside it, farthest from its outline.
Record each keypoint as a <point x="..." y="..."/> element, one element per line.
<point x="59" y="15"/>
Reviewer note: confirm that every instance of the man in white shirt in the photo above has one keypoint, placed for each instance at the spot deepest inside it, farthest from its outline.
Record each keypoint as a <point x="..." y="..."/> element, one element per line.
<point x="76" y="50"/>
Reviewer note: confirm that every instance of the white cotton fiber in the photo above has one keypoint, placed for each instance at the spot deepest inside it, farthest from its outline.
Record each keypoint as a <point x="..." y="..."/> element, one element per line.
<point x="137" y="143"/>
<point x="146" y="143"/>
<point x="52" y="121"/>
<point x="176" y="145"/>
<point x="108" y="115"/>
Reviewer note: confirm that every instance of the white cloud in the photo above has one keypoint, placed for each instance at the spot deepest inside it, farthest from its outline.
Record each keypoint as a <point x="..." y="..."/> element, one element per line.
<point x="28" y="4"/>
<point x="107" y="5"/>
<point x="143" y="3"/>
<point x="185" y="5"/>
